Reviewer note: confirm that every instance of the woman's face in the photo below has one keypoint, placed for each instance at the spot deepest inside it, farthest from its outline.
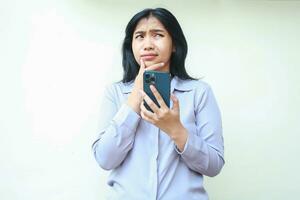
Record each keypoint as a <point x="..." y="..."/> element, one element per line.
<point x="152" y="43"/>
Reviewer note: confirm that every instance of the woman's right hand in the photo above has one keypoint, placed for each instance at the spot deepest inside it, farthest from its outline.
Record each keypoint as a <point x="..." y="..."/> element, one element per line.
<point x="135" y="98"/>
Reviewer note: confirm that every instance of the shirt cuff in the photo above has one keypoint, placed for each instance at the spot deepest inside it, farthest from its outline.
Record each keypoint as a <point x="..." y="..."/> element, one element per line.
<point x="192" y="147"/>
<point x="127" y="117"/>
<point x="185" y="146"/>
<point x="194" y="152"/>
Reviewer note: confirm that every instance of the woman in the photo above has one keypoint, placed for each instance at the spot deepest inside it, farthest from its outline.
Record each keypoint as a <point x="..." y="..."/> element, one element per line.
<point x="165" y="153"/>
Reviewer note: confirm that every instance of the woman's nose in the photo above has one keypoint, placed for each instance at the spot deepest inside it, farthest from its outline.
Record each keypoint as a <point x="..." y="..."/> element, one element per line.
<point x="148" y="45"/>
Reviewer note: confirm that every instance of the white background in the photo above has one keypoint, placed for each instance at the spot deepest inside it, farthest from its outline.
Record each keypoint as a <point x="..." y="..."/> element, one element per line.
<point x="57" y="56"/>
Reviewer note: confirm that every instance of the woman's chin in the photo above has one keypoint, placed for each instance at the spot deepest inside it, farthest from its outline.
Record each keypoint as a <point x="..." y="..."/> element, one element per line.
<point x="149" y="63"/>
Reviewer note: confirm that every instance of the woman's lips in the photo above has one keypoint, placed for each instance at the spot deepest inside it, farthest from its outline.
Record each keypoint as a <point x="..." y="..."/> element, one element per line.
<point x="148" y="57"/>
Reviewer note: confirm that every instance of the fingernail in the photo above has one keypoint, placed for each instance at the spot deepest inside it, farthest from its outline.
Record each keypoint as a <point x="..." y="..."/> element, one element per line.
<point x="141" y="92"/>
<point x="174" y="97"/>
<point x="152" y="87"/>
<point x="162" y="64"/>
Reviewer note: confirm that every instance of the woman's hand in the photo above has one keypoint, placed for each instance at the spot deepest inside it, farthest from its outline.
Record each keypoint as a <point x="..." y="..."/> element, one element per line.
<point x="164" y="118"/>
<point x="134" y="99"/>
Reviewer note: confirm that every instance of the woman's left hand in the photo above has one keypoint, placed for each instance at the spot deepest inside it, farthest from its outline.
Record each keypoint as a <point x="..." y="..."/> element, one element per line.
<point x="165" y="118"/>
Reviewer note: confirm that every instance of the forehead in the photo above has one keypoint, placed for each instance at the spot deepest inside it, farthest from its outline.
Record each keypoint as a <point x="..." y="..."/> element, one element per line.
<point x="149" y="23"/>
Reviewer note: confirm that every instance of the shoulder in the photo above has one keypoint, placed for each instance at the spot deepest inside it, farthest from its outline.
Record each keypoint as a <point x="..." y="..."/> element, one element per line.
<point x="118" y="88"/>
<point x="199" y="86"/>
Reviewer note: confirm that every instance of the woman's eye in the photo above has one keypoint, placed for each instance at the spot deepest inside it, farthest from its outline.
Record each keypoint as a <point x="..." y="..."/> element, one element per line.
<point x="138" y="36"/>
<point x="158" y="35"/>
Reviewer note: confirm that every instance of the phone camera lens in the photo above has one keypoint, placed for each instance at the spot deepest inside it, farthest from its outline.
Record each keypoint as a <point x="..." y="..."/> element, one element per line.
<point x="147" y="78"/>
<point x="152" y="78"/>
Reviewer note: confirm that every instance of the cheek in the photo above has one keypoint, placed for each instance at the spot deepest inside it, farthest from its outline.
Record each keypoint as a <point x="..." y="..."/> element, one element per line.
<point x="166" y="47"/>
<point x="167" y="51"/>
<point x="135" y="51"/>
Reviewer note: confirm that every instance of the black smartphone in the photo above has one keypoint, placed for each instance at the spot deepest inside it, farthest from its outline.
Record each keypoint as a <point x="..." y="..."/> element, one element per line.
<point x="161" y="81"/>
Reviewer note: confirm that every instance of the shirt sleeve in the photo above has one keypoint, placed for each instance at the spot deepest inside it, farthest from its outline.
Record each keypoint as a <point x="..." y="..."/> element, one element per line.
<point x="118" y="127"/>
<point x="204" y="149"/>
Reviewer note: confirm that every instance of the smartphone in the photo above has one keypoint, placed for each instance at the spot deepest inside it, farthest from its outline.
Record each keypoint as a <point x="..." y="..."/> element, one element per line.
<point x="161" y="81"/>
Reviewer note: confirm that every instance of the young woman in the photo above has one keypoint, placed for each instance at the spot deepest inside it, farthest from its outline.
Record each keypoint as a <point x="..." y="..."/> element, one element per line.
<point x="162" y="154"/>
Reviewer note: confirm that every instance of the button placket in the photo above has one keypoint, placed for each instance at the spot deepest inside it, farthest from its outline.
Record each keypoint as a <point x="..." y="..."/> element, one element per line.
<point x="154" y="159"/>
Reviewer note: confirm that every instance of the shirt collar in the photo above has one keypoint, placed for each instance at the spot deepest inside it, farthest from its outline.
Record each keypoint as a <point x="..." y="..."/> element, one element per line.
<point x="126" y="87"/>
<point x="176" y="84"/>
<point x="181" y="85"/>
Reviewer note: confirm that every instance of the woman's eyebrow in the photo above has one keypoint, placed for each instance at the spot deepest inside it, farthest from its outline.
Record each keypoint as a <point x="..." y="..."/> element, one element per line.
<point x="157" y="30"/>
<point x="139" y="32"/>
<point x="151" y="30"/>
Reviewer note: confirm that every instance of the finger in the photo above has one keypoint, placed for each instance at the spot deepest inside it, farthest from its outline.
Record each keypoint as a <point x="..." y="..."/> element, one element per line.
<point x="150" y="103"/>
<point x="147" y="119"/>
<point x="142" y="64"/>
<point x="142" y="67"/>
<point x="139" y="77"/>
<point x="175" y="103"/>
<point x="155" y="66"/>
<point x="146" y="114"/>
<point x="158" y="96"/>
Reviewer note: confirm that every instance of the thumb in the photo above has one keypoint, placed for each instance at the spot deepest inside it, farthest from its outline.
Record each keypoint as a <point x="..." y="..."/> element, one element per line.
<point x="142" y="65"/>
<point x="142" y="68"/>
<point x="175" y="103"/>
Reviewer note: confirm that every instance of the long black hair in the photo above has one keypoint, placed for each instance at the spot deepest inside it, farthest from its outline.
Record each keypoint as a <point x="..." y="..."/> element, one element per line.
<point x="177" y="61"/>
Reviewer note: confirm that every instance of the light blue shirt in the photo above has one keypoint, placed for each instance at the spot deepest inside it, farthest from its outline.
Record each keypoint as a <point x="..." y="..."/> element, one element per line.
<point x="144" y="161"/>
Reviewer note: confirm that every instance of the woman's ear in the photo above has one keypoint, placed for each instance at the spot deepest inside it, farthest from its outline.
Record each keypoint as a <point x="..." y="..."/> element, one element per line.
<point x="174" y="49"/>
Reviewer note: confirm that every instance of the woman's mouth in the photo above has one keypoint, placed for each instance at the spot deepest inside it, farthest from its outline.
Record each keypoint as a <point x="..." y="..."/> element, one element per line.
<point x="148" y="57"/>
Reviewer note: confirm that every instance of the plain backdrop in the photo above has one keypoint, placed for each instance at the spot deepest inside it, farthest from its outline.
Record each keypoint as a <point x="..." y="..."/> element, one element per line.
<point x="56" y="56"/>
